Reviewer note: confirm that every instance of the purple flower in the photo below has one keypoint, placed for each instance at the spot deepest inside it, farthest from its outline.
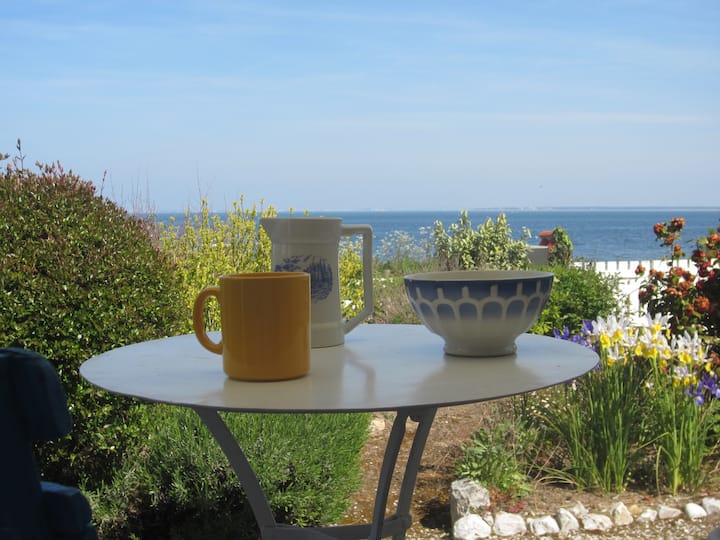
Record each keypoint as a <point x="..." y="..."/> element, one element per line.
<point x="574" y="338"/>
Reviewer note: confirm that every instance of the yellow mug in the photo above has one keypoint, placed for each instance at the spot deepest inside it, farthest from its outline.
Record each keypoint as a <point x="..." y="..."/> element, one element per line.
<point x="265" y="320"/>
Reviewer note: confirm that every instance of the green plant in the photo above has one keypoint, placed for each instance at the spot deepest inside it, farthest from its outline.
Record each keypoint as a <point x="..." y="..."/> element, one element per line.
<point x="79" y="276"/>
<point x="652" y="398"/>
<point x="578" y="294"/>
<point x="207" y="246"/>
<point x="495" y="457"/>
<point x="490" y="246"/>
<point x="350" y="272"/>
<point x="692" y="300"/>
<point x="598" y="417"/>
<point x="180" y="485"/>
<point x="561" y="250"/>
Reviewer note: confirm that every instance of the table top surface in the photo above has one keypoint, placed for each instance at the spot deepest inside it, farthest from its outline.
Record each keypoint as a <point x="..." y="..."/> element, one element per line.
<point x="380" y="367"/>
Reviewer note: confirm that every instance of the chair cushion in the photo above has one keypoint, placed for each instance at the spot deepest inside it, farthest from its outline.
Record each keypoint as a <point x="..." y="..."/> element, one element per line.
<point x="66" y="509"/>
<point x="34" y="394"/>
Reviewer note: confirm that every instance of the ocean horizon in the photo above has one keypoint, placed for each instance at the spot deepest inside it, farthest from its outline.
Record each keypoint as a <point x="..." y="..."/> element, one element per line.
<point x="598" y="233"/>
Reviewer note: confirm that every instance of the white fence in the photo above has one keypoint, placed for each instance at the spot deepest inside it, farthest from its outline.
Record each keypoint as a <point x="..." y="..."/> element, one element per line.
<point x="629" y="282"/>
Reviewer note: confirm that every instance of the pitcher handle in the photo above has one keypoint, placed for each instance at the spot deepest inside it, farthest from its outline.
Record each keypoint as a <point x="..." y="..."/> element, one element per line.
<point x="367" y="255"/>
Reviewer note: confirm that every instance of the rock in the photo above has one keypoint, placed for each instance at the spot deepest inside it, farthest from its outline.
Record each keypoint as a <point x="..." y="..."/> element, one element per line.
<point x="711" y="505"/>
<point x="667" y="512"/>
<point x="578" y="509"/>
<point x="566" y="520"/>
<point x="509" y="524"/>
<point x="377" y="426"/>
<point x="596" y="522"/>
<point x="471" y="527"/>
<point x="543" y="525"/>
<point x="620" y="514"/>
<point x="635" y="510"/>
<point x="695" y="511"/>
<point x="648" y="515"/>
<point x="467" y="496"/>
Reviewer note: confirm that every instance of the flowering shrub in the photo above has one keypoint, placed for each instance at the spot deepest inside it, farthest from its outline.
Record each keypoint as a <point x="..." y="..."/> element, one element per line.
<point x="655" y="398"/>
<point x="692" y="300"/>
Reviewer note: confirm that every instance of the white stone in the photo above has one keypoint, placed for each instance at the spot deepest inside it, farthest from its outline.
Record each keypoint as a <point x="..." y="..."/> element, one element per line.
<point x="471" y="527"/>
<point x="489" y="518"/>
<point x="620" y="514"/>
<point x="596" y="522"/>
<point x="566" y="520"/>
<point x="377" y="426"/>
<point x="695" y="511"/>
<point x="711" y="505"/>
<point x="648" y="515"/>
<point x="467" y="496"/>
<point x="578" y="509"/>
<point x="507" y="524"/>
<point x="543" y="525"/>
<point x="667" y="512"/>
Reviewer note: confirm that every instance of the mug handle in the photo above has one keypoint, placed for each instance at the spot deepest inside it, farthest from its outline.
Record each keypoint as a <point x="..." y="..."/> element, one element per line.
<point x="368" y="299"/>
<point x="199" y="319"/>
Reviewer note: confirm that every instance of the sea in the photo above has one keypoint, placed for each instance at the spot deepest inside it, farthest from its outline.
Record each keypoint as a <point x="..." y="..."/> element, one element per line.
<point x="597" y="234"/>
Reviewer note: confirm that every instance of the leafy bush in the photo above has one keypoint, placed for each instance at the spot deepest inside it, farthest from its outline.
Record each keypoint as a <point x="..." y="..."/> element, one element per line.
<point x="207" y="246"/>
<point x="496" y="457"/>
<point x="692" y="300"/>
<point x="490" y="246"/>
<point x="561" y="250"/>
<point x="578" y="294"/>
<point x="79" y="276"/>
<point x="180" y="485"/>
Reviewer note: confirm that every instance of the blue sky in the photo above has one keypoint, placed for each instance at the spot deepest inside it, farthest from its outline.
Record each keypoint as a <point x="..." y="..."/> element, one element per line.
<point x="370" y="104"/>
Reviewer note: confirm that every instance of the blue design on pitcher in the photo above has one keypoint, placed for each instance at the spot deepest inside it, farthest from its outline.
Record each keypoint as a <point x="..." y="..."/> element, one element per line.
<point x="321" y="273"/>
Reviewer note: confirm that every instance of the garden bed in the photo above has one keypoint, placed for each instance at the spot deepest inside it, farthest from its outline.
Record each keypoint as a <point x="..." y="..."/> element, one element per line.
<point x="452" y="428"/>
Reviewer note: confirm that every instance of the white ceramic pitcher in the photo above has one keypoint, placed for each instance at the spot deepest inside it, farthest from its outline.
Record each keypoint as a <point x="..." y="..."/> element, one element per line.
<point x="311" y="244"/>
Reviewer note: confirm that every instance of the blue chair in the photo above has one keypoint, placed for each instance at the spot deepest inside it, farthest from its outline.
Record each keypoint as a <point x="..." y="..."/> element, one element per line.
<point x="33" y="408"/>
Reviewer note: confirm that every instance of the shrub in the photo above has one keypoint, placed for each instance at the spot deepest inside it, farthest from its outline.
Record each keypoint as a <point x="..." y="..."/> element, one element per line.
<point x="496" y="457"/>
<point x="561" y="249"/>
<point x="691" y="300"/>
<point x="79" y="276"/>
<point x="207" y="246"/>
<point x="180" y="485"/>
<point x="490" y="246"/>
<point x="578" y="294"/>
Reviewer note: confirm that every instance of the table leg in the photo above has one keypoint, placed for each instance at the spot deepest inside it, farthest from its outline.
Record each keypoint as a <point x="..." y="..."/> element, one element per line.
<point x="381" y="527"/>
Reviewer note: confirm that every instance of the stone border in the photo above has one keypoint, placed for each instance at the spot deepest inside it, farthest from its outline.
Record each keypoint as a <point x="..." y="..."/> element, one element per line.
<point x="469" y="502"/>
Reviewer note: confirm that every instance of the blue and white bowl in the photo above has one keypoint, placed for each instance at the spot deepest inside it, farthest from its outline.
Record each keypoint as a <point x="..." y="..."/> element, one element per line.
<point x="479" y="312"/>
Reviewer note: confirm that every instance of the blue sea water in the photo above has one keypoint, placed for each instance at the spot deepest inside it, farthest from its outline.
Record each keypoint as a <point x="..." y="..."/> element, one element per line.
<point x="600" y="234"/>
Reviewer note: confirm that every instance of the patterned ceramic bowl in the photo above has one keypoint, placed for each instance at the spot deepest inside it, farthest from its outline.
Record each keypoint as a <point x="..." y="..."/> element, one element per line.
<point x="479" y="312"/>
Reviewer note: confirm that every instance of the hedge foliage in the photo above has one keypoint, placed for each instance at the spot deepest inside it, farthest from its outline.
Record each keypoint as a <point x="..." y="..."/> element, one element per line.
<point x="79" y="276"/>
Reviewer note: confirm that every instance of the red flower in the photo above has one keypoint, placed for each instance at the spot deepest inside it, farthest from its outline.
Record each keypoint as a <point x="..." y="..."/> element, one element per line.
<point x="658" y="228"/>
<point x="702" y="304"/>
<point x="677" y="224"/>
<point x="639" y="270"/>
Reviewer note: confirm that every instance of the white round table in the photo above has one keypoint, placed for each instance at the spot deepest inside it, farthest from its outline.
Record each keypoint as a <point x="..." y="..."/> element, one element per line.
<point x="380" y="367"/>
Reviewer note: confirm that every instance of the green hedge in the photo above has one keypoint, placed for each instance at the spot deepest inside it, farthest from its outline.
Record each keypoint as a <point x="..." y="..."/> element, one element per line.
<point x="79" y="276"/>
